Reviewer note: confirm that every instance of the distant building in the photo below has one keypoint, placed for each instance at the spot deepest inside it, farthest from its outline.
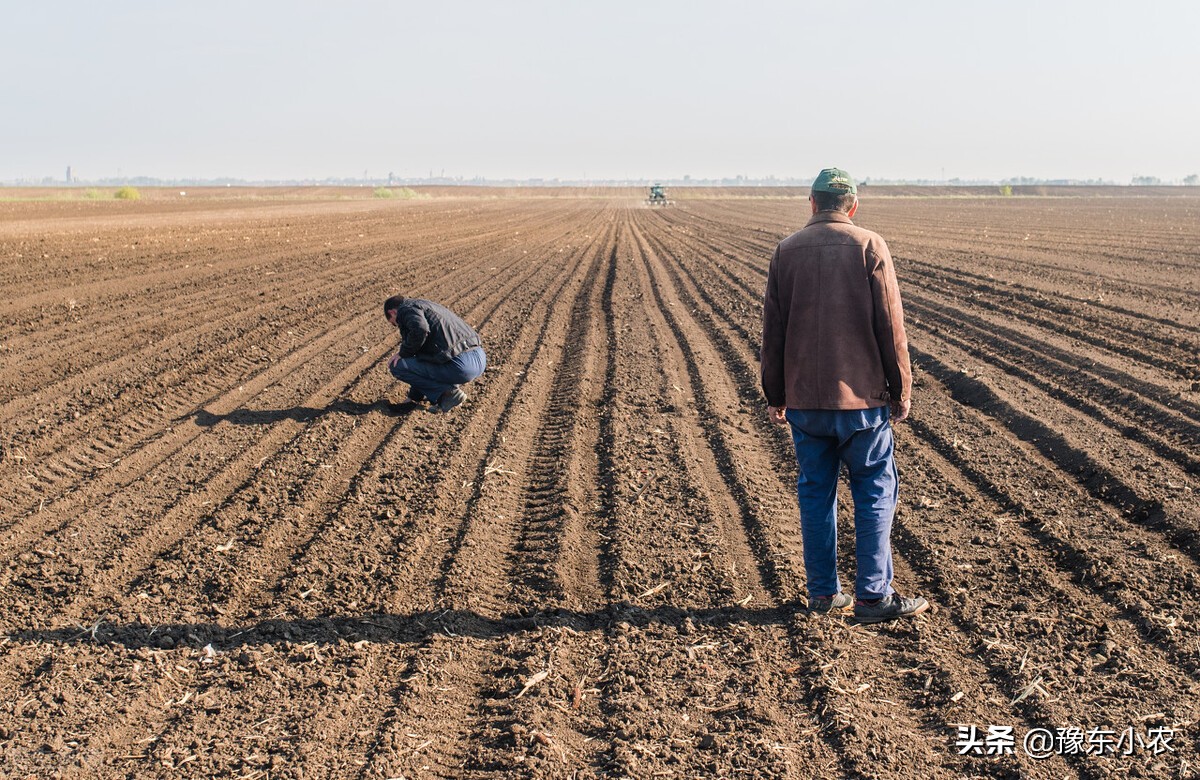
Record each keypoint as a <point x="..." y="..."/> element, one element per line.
<point x="68" y="174"/>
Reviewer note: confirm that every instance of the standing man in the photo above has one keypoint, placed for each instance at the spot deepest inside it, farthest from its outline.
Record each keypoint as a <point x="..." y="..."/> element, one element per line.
<point x="438" y="351"/>
<point x="835" y="367"/>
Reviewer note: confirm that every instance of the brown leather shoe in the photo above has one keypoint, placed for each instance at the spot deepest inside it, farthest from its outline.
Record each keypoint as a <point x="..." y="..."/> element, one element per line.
<point x="838" y="602"/>
<point x="889" y="608"/>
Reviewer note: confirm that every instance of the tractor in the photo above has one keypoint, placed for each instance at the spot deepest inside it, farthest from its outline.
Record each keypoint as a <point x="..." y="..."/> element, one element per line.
<point x="658" y="196"/>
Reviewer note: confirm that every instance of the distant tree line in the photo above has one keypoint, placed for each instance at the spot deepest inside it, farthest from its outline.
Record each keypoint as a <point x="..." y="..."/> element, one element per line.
<point x="1191" y="180"/>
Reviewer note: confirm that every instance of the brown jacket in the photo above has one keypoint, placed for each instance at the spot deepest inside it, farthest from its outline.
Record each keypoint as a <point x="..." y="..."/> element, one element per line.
<point x="833" y="328"/>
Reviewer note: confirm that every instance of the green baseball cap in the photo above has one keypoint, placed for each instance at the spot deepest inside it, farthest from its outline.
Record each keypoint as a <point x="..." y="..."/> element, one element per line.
<point x="835" y="180"/>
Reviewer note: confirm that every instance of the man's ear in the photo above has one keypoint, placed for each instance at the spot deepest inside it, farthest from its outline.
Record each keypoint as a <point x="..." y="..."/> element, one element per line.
<point x="853" y="208"/>
<point x="813" y="203"/>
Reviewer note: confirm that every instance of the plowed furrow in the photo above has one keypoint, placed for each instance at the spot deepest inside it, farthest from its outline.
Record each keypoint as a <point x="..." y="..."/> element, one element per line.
<point x="132" y="454"/>
<point x="485" y="539"/>
<point x="1171" y="352"/>
<point x="288" y="372"/>
<point x="1079" y="384"/>
<point x="167" y="449"/>
<point x="1152" y="541"/>
<point x="1107" y="268"/>
<point x="118" y="325"/>
<point x="655" y="568"/>
<point x="717" y="396"/>
<point x="200" y="395"/>
<point x="1145" y="391"/>
<point x="224" y="249"/>
<point x="287" y="273"/>
<point x="1144" y="497"/>
<point x="552" y="565"/>
<point x="178" y="373"/>
<point x="190" y="497"/>
<point x="544" y="575"/>
<point x="339" y="457"/>
<point x="1137" y="327"/>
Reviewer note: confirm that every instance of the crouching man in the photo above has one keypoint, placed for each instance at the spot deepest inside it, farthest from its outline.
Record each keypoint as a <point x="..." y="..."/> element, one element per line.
<point x="438" y="351"/>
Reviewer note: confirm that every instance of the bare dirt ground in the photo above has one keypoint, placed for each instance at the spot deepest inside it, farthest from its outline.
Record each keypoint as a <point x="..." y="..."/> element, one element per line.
<point x="227" y="550"/>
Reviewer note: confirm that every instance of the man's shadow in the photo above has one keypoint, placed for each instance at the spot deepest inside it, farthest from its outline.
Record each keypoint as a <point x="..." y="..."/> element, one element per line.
<point x="408" y="628"/>
<point x="207" y="419"/>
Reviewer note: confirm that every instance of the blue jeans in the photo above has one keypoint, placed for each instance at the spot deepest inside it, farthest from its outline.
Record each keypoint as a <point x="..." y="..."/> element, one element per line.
<point x="433" y="379"/>
<point x="862" y="439"/>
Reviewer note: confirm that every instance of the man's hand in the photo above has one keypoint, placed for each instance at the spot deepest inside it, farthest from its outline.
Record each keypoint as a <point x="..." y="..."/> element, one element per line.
<point x="900" y="409"/>
<point x="777" y="414"/>
<point x="395" y="359"/>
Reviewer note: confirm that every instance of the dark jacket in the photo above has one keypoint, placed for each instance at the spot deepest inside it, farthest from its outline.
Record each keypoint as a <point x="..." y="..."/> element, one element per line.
<point x="833" y="327"/>
<point x="430" y="331"/>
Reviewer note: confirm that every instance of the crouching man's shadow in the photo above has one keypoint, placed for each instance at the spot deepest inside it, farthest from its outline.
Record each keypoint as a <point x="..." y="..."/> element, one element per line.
<point x="207" y="419"/>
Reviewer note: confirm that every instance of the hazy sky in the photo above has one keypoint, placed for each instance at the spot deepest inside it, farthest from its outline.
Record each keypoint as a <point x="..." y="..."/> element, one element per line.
<point x="266" y="89"/>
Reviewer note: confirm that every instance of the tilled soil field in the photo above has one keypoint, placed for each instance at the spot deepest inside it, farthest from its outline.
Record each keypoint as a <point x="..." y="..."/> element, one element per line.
<point x="227" y="549"/>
